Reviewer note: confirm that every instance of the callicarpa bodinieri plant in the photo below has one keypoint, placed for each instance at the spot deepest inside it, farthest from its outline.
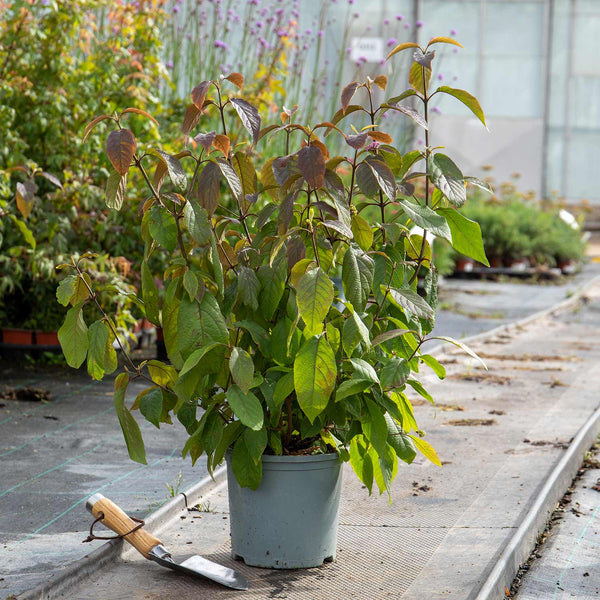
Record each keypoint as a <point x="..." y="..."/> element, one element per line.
<point x="295" y="298"/>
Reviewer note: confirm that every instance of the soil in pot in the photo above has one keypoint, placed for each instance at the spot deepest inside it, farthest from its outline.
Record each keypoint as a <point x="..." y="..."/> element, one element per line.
<point x="291" y="520"/>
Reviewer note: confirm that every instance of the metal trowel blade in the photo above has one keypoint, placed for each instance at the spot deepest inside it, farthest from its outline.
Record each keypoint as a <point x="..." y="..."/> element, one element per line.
<point x="199" y="566"/>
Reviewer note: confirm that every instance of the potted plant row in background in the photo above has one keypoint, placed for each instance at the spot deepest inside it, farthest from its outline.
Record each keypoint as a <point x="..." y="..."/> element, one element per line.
<point x="286" y="288"/>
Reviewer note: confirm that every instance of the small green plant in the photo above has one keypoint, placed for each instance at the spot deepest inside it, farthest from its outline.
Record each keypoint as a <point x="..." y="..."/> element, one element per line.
<point x="176" y="486"/>
<point x="289" y="301"/>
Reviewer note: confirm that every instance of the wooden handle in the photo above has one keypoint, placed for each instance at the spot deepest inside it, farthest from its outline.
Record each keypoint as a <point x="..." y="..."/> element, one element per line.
<point x="120" y="523"/>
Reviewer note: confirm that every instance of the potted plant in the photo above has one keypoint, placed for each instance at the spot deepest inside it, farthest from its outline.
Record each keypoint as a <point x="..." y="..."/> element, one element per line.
<point x="290" y="310"/>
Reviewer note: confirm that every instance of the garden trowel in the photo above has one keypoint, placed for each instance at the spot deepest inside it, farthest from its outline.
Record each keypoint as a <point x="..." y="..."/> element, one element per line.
<point x="109" y="514"/>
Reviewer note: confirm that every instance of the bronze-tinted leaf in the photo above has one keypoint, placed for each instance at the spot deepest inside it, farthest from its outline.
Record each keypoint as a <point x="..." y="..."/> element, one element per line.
<point x="380" y="136"/>
<point x="381" y="81"/>
<point x="295" y="250"/>
<point x="236" y="78"/>
<point x="159" y="175"/>
<point x="286" y="212"/>
<point x="191" y="118"/>
<point x="222" y="143"/>
<point x="53" y="179"/>
<point x="207" y="187"/>
<point x="347" y="94"/>
<point x="312" y="166"/>
<point x="199" y="94"/>
<point x="284" y="167"/>
<point x="444" y="40"/>
<point x="206" y="139"/>
<point x="357" y="141"/>
<point x="25" y="198"/>
<point x="248" y="115"/>
<point x="322" y="147"/>
<point x="93" y="124"/>
<point x="120" y="148"/>
<point x="246" y="172"/>
<point x="139" y="111"/>
<point x="233" y="180"/>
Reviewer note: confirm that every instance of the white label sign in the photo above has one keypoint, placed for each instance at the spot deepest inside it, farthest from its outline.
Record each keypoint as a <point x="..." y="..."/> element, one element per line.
<point x="369" y="49"/>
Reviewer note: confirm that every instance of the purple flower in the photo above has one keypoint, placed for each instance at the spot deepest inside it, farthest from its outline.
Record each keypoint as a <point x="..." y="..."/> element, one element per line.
<point x="362" y="59"/>
<point x="176" y="9"/>
<point x="436" y="110"/>
<point x="440" y="77"/>
<point x="399" y="17"/>
<point x="320" y="33"/>
<point x="169" y="64"/>
<point x="419" y="23"/>
<point x="350" y="1"/>
<point x="372" y="146"/>
<point x="406" y="25"/>
<point x="259" y="24"/>
<point x="391" y="42"/>
<point x="255" y="2"/>
<point x="348" y="50"/>
<point x="453" y="32"/>
<point x="220" y="44"/>
<point x="308" y="32"/>
<point x="45" y="2"/>
<point x="356" y="15"/>
<point x="386" y="21"/>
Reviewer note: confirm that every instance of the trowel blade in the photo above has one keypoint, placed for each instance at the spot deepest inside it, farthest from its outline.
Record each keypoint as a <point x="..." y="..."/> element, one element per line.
<point x="199" y="566"/>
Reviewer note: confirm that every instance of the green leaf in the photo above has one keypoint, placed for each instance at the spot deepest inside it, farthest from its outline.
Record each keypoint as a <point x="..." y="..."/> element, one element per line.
<point x="198" y="325"/>
<point x="25" y="231"/>
<point x="97" y="340"/>
<point x="212" y="432"/>
<point x="416" y="385"/>
<point x="388" y="335"/>
<point x="361" y="231"/>
<point x="354" y="331"/>
<point x="116" y="186"/>
<point x="399" y="441"/>
<point x="357" y="277"/>
<point x="462" y="346"/>
<point x="466" y="235"/>
<point x="161" y="373"/>
<point x="248" y="287"/>
<point x="129" y="426"/>
<point x="381" y="178"/>
<point x="196" y="356"/>
<point x="428" y="219"/>
<point x="196" y="219"/>
<point x="447" y="177"/>
<point x="151" y="405"/>
<point x="467" y="99"/>
<point x="283" y="389"/>
<point x="364" y="370"/>
<point x="190" y="284"/>
<point x="314" y="297"/>
<point x="163" y="228"/>
<point x="73" y="289"/>
<point x="231" y="432"/>
<point x="73" y="336"/>
<point x="315" y="372"/>
<point x="409" y="301"/>
<point x="386" y="469"/>
<point x="150" y="295"/>
<point x="247" y="472"/>
<point x="246" y="406"/>
<point x="361" y="461"/>
<point x="256" y="442"/>
<point x="433" y="363"/>
<point x="426" y="449"/>
<point x="241" y="367"/>
<point x="395" y="373"/>
<point x="272" y="282"/>
<point x="406" y="410"/>
<point x="350" y="387"/>
<point x="374" y="426"/>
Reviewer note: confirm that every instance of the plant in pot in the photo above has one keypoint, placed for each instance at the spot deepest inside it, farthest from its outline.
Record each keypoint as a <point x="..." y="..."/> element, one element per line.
<point x="290" y="311"/>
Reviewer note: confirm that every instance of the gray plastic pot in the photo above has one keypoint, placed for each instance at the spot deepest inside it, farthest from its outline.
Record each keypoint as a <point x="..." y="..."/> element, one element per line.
<point x="291" y="520"/>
